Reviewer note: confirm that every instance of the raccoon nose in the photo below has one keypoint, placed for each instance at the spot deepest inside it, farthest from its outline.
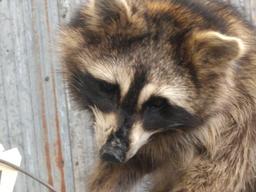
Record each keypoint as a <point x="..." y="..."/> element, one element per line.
<point x="114" y="151"/>
<point x="112" y="155"/>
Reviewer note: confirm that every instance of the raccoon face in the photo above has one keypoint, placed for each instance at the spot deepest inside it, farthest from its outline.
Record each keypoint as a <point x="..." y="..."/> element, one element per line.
<point x="130" y="104"/>
<point x="138" y="81"/>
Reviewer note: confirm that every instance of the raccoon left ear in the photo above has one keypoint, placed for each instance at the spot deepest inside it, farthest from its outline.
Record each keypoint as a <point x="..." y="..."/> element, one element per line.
<point x="215" y="48"/>
<point x="112" y="17"/>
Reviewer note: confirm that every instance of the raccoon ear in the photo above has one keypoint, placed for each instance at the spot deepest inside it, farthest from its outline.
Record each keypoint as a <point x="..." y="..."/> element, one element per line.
<point x="109" y="16"/>
<point x="215" y="48"/>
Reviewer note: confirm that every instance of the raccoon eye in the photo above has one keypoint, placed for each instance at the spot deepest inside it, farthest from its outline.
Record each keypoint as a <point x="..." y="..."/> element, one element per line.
<point x="156" y="103"/>
<point x="91" y="91"/>
<point x="108" y="87"/>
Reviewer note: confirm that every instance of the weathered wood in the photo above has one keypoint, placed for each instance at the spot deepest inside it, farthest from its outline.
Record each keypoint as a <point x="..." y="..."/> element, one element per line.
<point x="36" y="114"/>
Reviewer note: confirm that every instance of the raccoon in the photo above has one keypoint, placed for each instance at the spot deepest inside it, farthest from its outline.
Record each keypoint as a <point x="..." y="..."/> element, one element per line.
<point x="171" y="86"/>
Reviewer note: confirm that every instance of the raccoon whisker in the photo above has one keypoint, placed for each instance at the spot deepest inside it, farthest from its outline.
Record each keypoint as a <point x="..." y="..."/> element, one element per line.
<point x="80" y="84"/>
<point x="178" y="130"/>
<point x="75" y="87"/>
<point x="175" y="129"/>
<point x="175" y="125"/>
<point x="77" y="79"/>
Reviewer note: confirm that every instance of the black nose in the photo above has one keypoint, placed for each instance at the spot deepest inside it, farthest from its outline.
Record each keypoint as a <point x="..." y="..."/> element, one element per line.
<point x="114" y="151"/>
<point x="112" y="155"/>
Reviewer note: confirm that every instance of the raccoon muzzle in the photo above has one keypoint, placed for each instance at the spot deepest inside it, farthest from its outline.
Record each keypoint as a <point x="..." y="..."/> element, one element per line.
<point x="115" y="149"/>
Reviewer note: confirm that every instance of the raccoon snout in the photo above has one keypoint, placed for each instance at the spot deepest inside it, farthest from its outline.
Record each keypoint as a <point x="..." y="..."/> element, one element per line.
<point x="114" y="151"/>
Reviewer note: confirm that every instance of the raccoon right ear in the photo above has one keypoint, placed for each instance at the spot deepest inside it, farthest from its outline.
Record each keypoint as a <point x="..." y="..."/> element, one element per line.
<point x="212" y="47"/>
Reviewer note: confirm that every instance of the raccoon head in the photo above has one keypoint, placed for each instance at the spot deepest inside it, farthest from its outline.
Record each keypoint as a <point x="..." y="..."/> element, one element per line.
<point x="138" y="74"/>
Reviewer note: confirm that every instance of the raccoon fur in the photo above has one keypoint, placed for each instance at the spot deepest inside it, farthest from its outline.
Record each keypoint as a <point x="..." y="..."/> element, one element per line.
<point x="171" y="86"/>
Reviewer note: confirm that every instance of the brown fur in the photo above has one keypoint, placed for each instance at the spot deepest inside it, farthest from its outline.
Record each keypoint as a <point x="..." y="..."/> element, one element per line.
<point x="219" y="75"/>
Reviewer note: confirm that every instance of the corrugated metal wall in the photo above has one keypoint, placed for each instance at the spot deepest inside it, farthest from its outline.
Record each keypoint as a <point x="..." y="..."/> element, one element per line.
<point x="35" y="113"/>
